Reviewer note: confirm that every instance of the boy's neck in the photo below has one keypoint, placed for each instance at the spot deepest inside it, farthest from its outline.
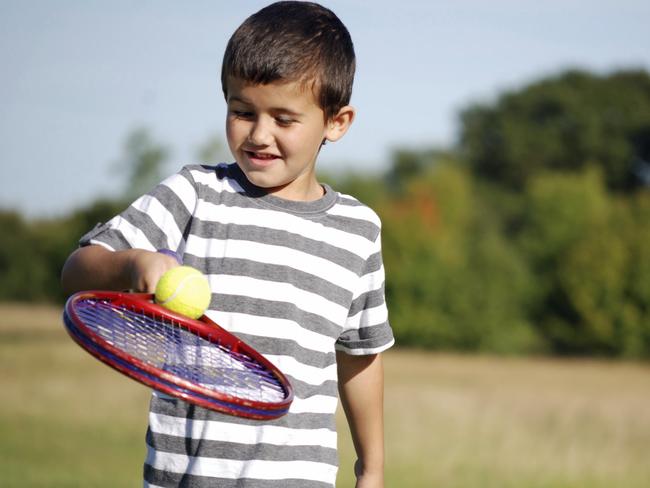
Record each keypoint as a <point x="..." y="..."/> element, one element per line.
<point x="315" y="191"/>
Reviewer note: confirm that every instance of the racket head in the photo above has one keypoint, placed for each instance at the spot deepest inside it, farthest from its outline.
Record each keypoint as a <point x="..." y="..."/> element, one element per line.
<point x="195" y="360"/>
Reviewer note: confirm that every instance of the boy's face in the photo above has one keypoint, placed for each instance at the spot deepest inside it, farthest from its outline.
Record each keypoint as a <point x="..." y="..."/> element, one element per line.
<point x="275" y="132"/>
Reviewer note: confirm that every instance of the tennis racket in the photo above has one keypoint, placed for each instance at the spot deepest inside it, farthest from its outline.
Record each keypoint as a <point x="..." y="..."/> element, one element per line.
<point x="195" y="360"/>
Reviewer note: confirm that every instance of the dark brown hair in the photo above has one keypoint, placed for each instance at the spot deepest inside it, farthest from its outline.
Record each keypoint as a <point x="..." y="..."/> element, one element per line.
<point x="294" y="41"/>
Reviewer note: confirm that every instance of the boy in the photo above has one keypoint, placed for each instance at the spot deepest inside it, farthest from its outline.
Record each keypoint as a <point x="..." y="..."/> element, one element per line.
<point x="295" y="268"/>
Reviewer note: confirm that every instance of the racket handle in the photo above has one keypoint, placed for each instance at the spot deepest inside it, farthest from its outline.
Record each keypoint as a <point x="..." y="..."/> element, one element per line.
<point x="173" y="254"/>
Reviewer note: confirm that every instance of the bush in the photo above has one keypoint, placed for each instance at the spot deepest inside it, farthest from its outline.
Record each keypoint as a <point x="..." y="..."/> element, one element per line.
<point x="453" y="281"/>
<point x="584" y="246"/>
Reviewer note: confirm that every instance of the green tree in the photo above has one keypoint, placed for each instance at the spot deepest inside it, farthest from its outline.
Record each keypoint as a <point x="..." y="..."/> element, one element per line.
<point x="142" y="163"/>
<point x="635" y="231"/>
<point x="23" y="266"/>
<point x="213" y="150"/>
<point x="408" y="163"/>
<point x="566" y="122"/>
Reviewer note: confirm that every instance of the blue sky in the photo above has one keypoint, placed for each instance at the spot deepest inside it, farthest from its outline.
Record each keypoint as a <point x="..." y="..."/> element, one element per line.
<point x="78" y="76"/>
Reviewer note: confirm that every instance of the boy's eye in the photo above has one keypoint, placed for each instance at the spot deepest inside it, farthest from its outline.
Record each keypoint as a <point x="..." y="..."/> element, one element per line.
<point x="284" y="121"/>
<point x="242" y="114"/>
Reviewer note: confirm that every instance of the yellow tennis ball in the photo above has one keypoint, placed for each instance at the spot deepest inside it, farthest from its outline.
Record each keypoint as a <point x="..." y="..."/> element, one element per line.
<point x="184" y="290"/>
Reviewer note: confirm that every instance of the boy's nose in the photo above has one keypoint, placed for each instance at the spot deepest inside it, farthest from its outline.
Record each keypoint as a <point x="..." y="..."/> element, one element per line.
<point x="260" y="134"/>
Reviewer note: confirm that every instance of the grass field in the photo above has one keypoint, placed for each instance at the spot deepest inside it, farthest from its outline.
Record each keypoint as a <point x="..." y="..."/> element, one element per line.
<point x="451" y="421"/>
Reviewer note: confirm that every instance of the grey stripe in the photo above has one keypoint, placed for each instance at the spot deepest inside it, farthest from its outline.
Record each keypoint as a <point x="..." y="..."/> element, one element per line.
<point x="177" y="408"/>
<point x="305" y="390"/>
<point x="143" y="222"/>
<point x="351" y="225"/>
<point x="373" y="263"/>
<point x="278" y="310"/>
<point x="264" y="235"/>
<point x="173" y="480"/>
<point x="286" y="347"/>
<point x="110" y="237"/>
<point x="276" y="273"/>
<point x="371" y="299"/>
<point x="368" y="337"/>
<point x="349" y="201"/>
<point x="172" y="202"/>
<point x="237" y="451"/>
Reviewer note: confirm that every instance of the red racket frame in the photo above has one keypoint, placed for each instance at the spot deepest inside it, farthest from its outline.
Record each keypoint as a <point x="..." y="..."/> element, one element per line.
<point x="146" y="373"/>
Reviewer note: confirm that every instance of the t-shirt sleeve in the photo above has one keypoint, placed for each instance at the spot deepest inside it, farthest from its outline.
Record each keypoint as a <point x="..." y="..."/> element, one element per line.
<point x="157" y="220"/>
<point x="367" y="330"/>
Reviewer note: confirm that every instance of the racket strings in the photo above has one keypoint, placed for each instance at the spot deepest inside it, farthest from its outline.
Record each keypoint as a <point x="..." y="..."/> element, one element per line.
<point x="164" y="344"/>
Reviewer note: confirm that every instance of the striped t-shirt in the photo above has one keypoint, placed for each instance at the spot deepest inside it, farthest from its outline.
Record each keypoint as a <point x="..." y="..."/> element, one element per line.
<point x="295" y="280"/>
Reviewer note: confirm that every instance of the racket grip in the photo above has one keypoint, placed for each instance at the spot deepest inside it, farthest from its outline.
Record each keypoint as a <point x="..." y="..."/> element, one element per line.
<point x="173" y="254"/>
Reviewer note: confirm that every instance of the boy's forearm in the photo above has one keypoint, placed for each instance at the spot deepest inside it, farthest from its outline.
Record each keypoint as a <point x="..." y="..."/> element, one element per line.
<point x="94" y="267"/>
<point x="361" y="387"/>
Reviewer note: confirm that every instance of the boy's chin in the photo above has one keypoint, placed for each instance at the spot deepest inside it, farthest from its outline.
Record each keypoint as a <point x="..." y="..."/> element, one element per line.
<point x="259" y="177"/>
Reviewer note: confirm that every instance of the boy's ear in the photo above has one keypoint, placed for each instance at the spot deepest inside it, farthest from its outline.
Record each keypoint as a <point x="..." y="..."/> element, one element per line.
<point x="338" y="125"/>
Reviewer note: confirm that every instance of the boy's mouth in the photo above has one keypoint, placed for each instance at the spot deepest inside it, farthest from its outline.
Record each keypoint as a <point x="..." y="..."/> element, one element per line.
<point x="261" y="158"/>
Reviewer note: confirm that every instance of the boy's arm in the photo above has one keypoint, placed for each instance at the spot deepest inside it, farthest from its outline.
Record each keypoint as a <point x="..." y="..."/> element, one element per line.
<point x="361" y="388"/>
<point x="94" y="267"/>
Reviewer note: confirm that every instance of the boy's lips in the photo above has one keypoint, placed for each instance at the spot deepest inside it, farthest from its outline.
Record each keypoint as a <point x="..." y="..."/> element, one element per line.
<point x="261" y="158"/>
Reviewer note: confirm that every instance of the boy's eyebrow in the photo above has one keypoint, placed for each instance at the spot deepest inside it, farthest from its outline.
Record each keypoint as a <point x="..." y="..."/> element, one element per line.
<point x="273" y="109"/>
<point x="237" y="99"/>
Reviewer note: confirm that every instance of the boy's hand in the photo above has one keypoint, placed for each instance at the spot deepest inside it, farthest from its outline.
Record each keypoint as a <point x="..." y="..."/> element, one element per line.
<point x="145" y="269"/>
<point x="96" y="268"/>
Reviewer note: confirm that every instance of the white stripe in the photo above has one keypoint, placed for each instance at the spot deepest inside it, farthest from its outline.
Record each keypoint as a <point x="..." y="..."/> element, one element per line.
<point x="162" y="217"/>
<point x="278" y="292"/>
<point x="217" y="185"/>
<point x="234" y="469"/>
<point x="276" y="255"/>
<point x="315" y="404"/>
<point x="103" y="244"/>
<point x="273" y="219"/>
<point x="183" y="189"/>
<point x="274" y="328"/>
<point x="368" y="317"/>
<point x="360" y="212"/>
<point x="311" y="375"/>
<point x="372" y="281"/>
<point x="213" y="430"/>
<point x="365" y="352"/>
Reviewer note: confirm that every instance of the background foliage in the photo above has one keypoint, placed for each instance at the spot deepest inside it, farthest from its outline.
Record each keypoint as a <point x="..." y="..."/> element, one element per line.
<point x="530" y="235"/>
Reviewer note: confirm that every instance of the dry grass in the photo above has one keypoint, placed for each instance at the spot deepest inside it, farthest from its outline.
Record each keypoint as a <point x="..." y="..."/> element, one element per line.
<point x="452" y="421"/>
<point x="66" y="419"/>
<point x="461" y="421"/>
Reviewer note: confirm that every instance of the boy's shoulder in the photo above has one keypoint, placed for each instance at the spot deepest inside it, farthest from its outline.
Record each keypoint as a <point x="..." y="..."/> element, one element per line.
<point x="202" y="172"/>
<point x="351" y="206"/>
<point x="220" y="176"/>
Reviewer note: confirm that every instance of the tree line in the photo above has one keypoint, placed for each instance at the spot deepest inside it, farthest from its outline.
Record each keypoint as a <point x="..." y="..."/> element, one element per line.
<point x="530" y="234"/>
